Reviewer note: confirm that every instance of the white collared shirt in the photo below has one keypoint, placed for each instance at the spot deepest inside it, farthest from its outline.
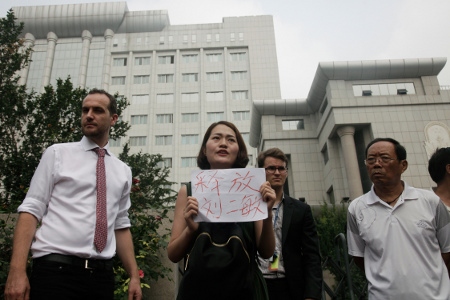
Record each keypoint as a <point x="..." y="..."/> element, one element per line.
<point x="63" y="195"/>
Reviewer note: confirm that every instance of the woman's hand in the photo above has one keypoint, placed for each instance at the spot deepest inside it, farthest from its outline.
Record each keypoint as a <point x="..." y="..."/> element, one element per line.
<point x="268" y="194"/>
<point x="189" y="212"/>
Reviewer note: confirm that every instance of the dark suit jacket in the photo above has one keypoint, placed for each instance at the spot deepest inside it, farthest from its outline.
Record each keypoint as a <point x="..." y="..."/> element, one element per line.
<point x="300" y="247"/>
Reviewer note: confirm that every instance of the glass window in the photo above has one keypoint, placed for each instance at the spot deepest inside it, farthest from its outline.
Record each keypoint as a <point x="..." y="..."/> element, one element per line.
<point x="241" y="36"/>
<point x="185" y="39"/>
<point x="245" y="136"/>
<point x="383" y="89"/>
<point x="118" y="80"/>
<point x="241" y="115"/>
<point x="164" y="118"/>
<point x="141" y="79"/>
<point x="141" y="61"/>
<point x="190" y="77"/>
<point x="214" y="57"/>
<point x="214" y="96"/>
<point x="189" y="117"/>
<point x="238" y="56"/>
<point x="163" y="140"/>
<point x="138" y="119"/>
<point x="115" y="143"/>
<point x="190" y="58"/>
<point x="194" y="38"/>
<point x="165" y="78"/>
<point x="119" y="62"/>
<point x="138" y="141"/>
<point x="208" y="38"/>
<point x="214" y="76"/>
<point x="239" y="95"/>
<point x="189" y="139"/>
<point x="217" y="37"/>
<point x="161" y="40"/>
<point x="164" y="98"/>
<point x="293" y="124"/>
<point x="238" y="75"/>
<point x="166" y="59"/>
<point x="232" y="37"/>
<point x="189" y="97"/>
<point x="214" y="116"/>
<point x="188" y="162"/>
<point x="165" y="163"/>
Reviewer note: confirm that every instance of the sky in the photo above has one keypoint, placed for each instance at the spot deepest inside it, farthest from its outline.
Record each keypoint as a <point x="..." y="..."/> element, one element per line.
<point x="308" y="32"/>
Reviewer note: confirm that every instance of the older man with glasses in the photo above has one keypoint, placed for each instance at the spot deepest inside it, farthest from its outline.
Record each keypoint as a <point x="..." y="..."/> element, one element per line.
<point x="397" y="234"/>
<point x="294" y="271"/>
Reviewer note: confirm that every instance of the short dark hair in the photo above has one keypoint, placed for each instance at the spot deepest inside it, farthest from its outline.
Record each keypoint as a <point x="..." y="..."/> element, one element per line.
<point x="112" y="107"/>
<point x="400" y="151"/>
<point x="437" y="164"/>
<point x="242" y="156"/>
<point x="272" y="152"/>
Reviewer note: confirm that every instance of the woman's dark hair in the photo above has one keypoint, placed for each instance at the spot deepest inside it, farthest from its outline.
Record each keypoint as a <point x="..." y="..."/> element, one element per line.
<point x="438" y="163"/>
<point x="400" y="151"/>
<point x="242" y="156"/>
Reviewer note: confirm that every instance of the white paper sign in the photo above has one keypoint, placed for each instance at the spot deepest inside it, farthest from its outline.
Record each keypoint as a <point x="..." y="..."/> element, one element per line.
<point x="229" y="195"/>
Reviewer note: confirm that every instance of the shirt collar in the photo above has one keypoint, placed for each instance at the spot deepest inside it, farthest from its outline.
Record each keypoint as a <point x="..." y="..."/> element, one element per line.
<point x="409" y="193"/>
<point x="89" y="145"/>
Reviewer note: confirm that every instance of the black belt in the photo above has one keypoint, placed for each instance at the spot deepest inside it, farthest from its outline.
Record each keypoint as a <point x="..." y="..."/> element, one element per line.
<point x="84" y="263"/>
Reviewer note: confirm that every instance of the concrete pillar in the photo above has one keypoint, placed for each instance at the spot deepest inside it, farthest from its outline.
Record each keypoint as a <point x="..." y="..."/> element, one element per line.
<point x="346" y="134"/>
<point x="52" y="38"/>
<point x="106" y="74"/>
<point x="29" y="43"/>
<point x="86" y="36"/>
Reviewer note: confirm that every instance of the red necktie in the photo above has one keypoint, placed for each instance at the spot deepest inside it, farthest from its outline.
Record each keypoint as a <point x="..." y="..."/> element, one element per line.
<point x="101" y="224"/>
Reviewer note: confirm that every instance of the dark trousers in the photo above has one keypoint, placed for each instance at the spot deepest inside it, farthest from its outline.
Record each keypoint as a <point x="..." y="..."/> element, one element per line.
<point x="53" y="280"/>
<point x="278" y="289"/>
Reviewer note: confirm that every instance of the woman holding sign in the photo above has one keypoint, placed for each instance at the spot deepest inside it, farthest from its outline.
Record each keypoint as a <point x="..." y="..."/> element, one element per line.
<point x="220" y="257"/>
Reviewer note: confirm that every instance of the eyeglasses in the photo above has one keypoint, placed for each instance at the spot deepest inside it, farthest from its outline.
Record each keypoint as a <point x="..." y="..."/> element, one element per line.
<point x="273" y="169"/>
<point x="384" y="159"/>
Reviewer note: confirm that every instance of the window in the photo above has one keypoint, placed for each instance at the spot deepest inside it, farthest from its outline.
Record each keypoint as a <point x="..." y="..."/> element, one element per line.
<point x="217" y="37"/>
<point x="164" y="118"/>
<point x="214" y="57"/>
<point x="194" y="38"/>
<point x="208" y="38"/>
<point x="245" y="136"/>
<point x="189" y="139"/>
<point x="367" y="93"/>
<point x="165" y="78"/>
<point x="402" y="91"/>
<point x="170" y="39"/>
<point x="214" y="96"/>
<point x="214" y="116"/>
<point x="241" y="36"/>
<point x="293" y="124"/>
<point x="189" y="58"/>
<point x="141" y="79"/>
<point x="185" y="39"/>
<point x="138" y="119"/>
<point x="119" y="80"/>
<point x="189" y="97"/>
<point x="164" y="98"/>
<point x="214" y="76"/>
<point x="142" y="61"/>
<point x="238" y="56"/>
<point x="166" y="59"/>
<point x="325" y="154"/>
<point x="140" y="99"/>
<point x="115" y="143"/>
<point x="241" y="115"/>
<point x="231" y="37"/>
<point x="188" y="162"/>
<point x="238" y="75"/>
<point x="165" y="163"/>
<point x="239" y="95"/>
<point x="161" y="40"/>
<point x="384" y="89"/>
<point x="190" y="77"/>
<point x="163" y="140"/>
<point x="189" y="117"/>
<point x="119" y="62"/>
<point x="138" y="141"/>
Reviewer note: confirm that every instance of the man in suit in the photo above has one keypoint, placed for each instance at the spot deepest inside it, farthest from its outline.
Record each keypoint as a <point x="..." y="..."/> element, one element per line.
<point x="294" y="271"/>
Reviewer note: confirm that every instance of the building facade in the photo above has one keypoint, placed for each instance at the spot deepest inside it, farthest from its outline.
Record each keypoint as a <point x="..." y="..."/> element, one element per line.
<point x="179" y="79"/>
<point x="349" y="104"/>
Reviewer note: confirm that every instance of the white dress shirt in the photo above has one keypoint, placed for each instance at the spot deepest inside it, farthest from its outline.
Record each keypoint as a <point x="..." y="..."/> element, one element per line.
<point x="63" y="196"/>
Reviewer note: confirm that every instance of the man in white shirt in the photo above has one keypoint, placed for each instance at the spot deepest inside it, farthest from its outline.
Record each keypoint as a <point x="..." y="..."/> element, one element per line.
<point x="62" y="198"/>
<point x="439" y="169"/>
<point x="397" y="234"/>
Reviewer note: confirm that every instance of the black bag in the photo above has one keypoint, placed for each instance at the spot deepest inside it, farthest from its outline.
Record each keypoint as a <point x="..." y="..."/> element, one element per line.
<point x="221" y="262"/>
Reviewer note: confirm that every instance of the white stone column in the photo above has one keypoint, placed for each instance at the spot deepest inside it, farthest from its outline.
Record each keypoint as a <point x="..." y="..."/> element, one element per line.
<point x="52" y="38"/>
<point x="29" y="43"/>
<point x="346" y="134"/>
<point x="106" y="74"/>
<point x="86" y="36"/>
